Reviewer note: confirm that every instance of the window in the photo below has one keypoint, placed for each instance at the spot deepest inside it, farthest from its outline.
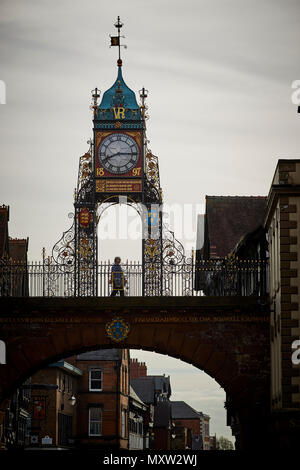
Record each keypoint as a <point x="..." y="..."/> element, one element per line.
<point x="140" y="428"/>
<point x="123" y="433"/>
<point x="95" y="380"/>
<point x="95" y="421"/>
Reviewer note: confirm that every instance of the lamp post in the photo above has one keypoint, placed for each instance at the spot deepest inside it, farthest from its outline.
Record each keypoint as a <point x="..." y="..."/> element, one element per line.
<point x="72" y="400"/>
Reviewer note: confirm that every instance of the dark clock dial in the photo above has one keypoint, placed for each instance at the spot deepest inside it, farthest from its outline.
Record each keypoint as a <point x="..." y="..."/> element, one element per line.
<point x="118" y="153"/>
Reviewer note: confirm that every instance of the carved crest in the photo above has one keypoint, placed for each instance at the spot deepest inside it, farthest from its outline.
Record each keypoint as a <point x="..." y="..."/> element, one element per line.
<point x="117" y="330"/>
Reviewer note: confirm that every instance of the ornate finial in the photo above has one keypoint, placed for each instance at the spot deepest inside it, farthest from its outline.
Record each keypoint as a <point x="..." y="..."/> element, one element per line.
<point x="116" y="41"/>
<point x="143" y="95"/>
<point x="95" y="97"/>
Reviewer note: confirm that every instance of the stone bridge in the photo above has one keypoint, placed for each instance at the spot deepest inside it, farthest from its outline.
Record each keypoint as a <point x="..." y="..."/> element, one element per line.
<point x="227" y="337"/>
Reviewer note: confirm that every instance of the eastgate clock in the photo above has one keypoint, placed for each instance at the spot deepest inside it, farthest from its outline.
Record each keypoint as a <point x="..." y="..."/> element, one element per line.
<point x="118" y="153"/>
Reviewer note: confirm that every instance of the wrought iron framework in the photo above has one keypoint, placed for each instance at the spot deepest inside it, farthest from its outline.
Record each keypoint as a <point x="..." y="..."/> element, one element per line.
<point x="72" y="269"/>
<point x="75" y="254"/>
<point x="217" y="277"/>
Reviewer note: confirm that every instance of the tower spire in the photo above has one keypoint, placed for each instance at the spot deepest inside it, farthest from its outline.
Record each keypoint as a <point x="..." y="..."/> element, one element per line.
<point x="116" y="40"/>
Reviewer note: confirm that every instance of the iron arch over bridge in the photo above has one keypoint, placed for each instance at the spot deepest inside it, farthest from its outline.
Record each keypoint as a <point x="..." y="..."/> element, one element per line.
<point x="226" y="338"/>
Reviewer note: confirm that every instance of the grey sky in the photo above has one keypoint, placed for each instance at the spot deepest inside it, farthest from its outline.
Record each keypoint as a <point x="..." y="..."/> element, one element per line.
<point x="219" y="76"/>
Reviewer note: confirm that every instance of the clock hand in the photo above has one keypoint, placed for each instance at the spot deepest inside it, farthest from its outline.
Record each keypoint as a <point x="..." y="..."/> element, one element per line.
<point x="115" y="155"/>
<point x="109" y="156"/>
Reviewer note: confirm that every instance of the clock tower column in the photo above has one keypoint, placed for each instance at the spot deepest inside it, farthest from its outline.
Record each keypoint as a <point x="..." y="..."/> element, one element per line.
<point x="125" y="170"/>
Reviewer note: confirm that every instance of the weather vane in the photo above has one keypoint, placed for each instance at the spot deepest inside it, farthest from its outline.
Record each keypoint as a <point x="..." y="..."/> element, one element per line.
<point x="116" y="40"/>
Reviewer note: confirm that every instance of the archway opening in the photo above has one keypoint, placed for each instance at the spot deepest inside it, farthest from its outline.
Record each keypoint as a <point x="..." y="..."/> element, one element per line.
<point x="95" y="379"/>
<point x="119" y="233"/>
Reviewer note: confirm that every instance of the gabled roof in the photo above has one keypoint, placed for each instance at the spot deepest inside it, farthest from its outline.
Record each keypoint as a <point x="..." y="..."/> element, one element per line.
<point x="228" y="219"/>
<point x="162" y="384"/>
<point x="150" y="386"/>
<point x="136" y="399"/>
<point x="181" y="410"/>
<point x="144" y="388"/>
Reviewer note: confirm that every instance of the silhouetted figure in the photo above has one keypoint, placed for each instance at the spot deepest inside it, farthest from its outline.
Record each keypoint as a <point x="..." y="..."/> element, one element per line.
<point x="117" y="279"/>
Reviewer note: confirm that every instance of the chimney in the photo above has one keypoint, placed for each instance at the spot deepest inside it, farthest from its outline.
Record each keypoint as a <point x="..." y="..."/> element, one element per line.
<point x="137" y="369"/>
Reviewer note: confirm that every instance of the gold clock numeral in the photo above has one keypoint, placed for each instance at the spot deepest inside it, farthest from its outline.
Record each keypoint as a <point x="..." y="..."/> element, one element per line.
<point x="99" y="172"/>
<point x="136" y="171"/>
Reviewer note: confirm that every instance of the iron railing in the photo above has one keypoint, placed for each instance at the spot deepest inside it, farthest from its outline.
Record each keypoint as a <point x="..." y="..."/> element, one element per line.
<point x="214" y="277"/>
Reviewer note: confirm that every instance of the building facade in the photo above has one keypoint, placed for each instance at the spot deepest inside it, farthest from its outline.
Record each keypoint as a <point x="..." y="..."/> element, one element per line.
<point x="86" y="401"/>
<point x="155" y="391"/>
<point x="103" y="399"/>
<point x="14" y="432"/>
<point x="138" y="423"/>
<point x="282" y="223"/>
<point x="53" y="405"/>
<point x="197" y="422"/>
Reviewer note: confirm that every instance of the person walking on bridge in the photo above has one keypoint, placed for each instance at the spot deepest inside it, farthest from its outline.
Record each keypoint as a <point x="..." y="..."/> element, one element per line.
<point x="117" y="279"/>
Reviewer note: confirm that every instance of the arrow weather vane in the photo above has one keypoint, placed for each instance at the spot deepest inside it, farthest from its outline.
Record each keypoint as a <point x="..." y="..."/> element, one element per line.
<point x="116" y="40"/>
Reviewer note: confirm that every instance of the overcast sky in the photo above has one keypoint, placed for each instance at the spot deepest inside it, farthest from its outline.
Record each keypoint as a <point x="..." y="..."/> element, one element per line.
<point x="219" y="75"/>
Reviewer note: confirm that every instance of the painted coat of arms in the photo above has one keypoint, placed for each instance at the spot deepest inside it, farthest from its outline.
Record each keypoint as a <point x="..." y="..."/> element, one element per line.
<point x="117" y="329"/>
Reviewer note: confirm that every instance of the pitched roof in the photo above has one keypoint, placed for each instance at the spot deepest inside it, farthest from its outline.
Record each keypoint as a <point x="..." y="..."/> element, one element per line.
<point x="162" y="384"/>
<point x="228" y="219"/>
<point x="100" y="355"/>
<point x="136" y="398"/>
<point x="181" y="410"/>
<point x="144" y="388"/>
<point x="147" y="387"/>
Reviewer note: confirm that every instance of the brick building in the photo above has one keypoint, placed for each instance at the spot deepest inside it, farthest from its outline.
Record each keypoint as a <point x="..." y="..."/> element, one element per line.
<point x="181" y="438"/>
<point x="233" y="226"/>
<point x="13" y="260"/>
<point x="86" y="401"/>
<point x="267" y="227"/>
<point x="14" y="431"/>
<point x="103" y="398"/>
<point x="227" y="220"/>
<point x="282" y="223"/>
<point x="205" y="430"/>
<point x="137" y="369"/>
<point x="197" y="422"/>
<point x="155" y="391"/>
<point x="53" y="390"/>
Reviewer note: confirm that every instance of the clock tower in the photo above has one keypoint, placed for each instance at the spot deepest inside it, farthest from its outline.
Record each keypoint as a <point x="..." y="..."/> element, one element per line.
<point x="119" y="169"/>
<point x="119" y="156"/>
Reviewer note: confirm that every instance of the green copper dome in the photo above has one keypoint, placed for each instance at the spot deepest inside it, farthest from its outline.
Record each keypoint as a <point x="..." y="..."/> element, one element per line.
<point x="119" y="106"/>
<point x="120" y="92"/>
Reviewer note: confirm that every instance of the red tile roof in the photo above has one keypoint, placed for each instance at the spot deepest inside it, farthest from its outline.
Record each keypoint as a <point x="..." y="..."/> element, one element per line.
<point x="228" y="219"/>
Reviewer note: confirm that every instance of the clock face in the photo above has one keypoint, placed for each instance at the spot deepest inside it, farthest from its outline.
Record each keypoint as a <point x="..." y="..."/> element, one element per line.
<point x="118" y="153"/>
